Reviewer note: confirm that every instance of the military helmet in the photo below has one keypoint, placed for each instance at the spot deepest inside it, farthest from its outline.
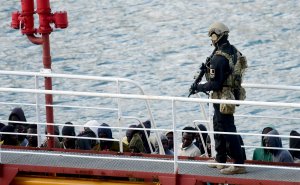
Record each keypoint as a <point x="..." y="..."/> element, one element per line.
<point x="218" y="28"/>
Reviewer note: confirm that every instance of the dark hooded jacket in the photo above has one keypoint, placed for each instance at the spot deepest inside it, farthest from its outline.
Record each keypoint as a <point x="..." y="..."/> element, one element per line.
<point x="57" y="140"/>
<point x="109" y="145"/>
<point x="261" y="154"/>
<point x="163" y="139"/>
<point x="105" y="145"/>
<point x="68" y="130"/>
<point x="129" y="135"/>
<point x="1" y="125"/>
<point x="86" y="144"/>
<point x="295" y="143"/>
<point x="147" y="124"/>
<point x="18" y="111"/>
<point x="21" y="127"/>
<point x="279" y="155"/>
<point x="90" y="130"/>
<point x="8" y="139"/>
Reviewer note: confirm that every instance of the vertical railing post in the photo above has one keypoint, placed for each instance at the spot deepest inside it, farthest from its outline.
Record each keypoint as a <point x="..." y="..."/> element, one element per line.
<point x="119" y="118"/>
<point x="174" y="137"/>
<point x="37" y="110"/>
<point x="211" y="127"/>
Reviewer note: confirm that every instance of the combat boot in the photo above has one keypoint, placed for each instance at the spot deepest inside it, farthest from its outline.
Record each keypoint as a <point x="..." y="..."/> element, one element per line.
<point x="216" y="164"/>
<point x="233" y="170"/>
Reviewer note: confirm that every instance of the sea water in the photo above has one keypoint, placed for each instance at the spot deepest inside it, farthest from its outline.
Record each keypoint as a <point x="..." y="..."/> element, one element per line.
<point x="161" y="44"/>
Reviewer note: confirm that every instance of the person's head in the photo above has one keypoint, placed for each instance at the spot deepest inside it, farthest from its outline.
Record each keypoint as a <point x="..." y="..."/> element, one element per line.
<point x="17" y="114"/>
<point x="170" y="137"/>
<point x="129" y="133"/>
<point x="17" y="119"/>
<point x="55" y="132"/>
<point x="218" y="32"/>
<point x="146" y="124"/>
<point x="295" y="143"/>
<point x="265" y="131"/>
<point x="92" y="126"/>
<point x="90" y="129"/>
<point x="200" y="127"/>
<point x="105" y="132"/>
<point x="187" y="137"/>
<point x="32" y="140"/>
<point x="68" y="130"/>
<point x="9" y="139"/>
<point x="273" y="141"/>
<point x="164" y="142"/>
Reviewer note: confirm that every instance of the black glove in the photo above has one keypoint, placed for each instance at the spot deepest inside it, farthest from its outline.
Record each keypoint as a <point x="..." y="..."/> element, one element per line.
<point x="203" y="67"/>
<point x="193" y="89"/>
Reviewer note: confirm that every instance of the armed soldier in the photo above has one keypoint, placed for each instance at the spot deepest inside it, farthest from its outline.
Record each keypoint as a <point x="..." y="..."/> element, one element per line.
<point x="219" y="75"/>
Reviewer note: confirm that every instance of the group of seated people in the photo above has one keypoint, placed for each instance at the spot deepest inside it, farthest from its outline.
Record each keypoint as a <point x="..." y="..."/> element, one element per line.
<point x="195" y="140"/>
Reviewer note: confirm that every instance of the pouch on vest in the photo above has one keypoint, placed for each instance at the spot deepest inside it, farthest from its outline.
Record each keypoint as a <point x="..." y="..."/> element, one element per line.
<point x="227" y="95"/>
<point x="238" y="68"/>
<point x="238" y="73"/>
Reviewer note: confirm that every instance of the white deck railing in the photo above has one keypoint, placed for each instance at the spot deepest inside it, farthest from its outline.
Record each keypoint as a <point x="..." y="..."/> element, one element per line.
<point x="38" y="90"/>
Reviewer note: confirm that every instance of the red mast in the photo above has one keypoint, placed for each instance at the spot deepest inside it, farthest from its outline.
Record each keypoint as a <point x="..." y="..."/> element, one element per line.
<point x="25" y="21"/>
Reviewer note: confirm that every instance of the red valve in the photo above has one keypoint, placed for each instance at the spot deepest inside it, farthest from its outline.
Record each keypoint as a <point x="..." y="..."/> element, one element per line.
<point x="60" y="20"/>
<point x="45" y="16"/>
<point x="15" y="22"/>
<point x="26" y="17"/>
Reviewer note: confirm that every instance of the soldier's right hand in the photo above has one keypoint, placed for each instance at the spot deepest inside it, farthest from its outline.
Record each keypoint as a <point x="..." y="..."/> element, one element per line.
<point x="193" y="88"/>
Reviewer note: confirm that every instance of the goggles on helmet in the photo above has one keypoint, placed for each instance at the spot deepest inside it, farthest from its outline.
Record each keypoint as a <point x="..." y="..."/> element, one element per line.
<point x="216" y="31"/>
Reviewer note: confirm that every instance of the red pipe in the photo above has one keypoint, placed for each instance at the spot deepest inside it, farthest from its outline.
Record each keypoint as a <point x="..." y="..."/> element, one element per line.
<point x="26" y="20"/>
<point x="45" y="42"/>
<point x="34" y="39"/>
<point x="48" y="86"/>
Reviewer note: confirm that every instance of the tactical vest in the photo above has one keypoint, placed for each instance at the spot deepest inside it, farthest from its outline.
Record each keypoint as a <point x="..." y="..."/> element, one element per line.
<point x="232" y="87"/>
<point x="238" y="65"/>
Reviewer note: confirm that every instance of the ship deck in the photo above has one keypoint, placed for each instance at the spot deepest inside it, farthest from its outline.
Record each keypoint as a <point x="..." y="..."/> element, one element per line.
<point x="62" y="162"/>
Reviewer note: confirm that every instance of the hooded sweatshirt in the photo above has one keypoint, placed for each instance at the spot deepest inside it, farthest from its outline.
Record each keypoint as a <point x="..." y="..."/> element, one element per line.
<point x="19" y="113"/>
<point x="88" y="131"/>
<point x="295" y="143"/>
<point x="147" y="125"/>
<point x="261" y="154"/>
<point x="163" y="139"/>
<point x="8" y="139"/>
<point x="279" y="155"/>
<point x="105" y="145"/>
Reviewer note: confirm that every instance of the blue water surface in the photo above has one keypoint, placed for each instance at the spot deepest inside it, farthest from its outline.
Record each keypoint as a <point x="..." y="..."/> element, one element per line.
<point x="160" y="44"/>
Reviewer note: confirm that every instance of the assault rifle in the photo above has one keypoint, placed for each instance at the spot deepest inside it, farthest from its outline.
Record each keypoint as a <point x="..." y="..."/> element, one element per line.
<point x="203" y="70"/>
